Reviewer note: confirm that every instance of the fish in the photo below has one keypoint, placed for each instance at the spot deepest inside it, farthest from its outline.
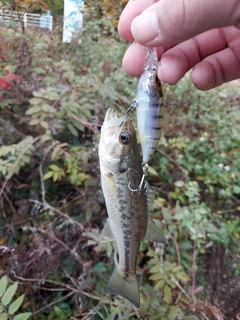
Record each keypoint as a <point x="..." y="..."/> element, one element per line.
<point x="149" y="103"/>
<point x="128" y="220"/>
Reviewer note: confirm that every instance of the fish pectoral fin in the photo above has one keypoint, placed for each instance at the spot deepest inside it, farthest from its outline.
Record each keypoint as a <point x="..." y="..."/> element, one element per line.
<point x="106" y="234"/>
<point x="125" y="286"/>
<point x="153" y="232"/>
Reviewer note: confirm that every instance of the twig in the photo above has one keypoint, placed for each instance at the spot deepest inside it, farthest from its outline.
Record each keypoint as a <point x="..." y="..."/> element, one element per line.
<point x="193" y="269"/>
<point x="43" y="281"/>
<point x="179" y="286"/>
<point x="218" y="278"/>
<point x="185" y="293"/>
<point x="89" y="125"/>
<point x="48" y="206"/>
<point x="9" y="203"/>
<point x="93" y="311"/>
<point x="51" y="289"/>
<point x="176" y="247"/>
<point x="42" y="184"/>
<point x="175" y="163"/>
<point x="54" y="302"/>
<point x="72" y="251"/>
<point x="204" y="315"/>
<point x="74" y="282"/>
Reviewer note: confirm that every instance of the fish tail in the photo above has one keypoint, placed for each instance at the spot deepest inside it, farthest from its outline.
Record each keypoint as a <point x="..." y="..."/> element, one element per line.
<point x="125" y="286"/>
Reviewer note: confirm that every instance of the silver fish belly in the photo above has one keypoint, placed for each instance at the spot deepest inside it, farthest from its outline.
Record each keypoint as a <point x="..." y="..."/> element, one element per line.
<point x="128" y="223"/>
<point x="150" y="111"/>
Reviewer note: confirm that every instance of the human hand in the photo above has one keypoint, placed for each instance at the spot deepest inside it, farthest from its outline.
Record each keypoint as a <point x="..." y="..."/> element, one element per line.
<point x="188" y="34"/>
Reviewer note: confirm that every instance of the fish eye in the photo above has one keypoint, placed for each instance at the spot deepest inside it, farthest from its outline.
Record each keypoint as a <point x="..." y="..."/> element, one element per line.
<point x="125" y="137"/>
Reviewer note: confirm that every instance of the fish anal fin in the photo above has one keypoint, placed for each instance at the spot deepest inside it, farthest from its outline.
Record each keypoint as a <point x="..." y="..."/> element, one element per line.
<point x="125" y="286"/>
<point x="106" y="234"/>
<point x="153" y="232"/>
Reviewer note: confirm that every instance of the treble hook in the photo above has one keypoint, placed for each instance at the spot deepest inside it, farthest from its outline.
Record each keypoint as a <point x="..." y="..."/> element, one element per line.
<point x="141" y="186"/>
<point x="134" y="104"/>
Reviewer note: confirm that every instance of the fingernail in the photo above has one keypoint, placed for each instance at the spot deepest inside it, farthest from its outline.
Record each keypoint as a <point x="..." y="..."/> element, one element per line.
<point x="145" y="28"/>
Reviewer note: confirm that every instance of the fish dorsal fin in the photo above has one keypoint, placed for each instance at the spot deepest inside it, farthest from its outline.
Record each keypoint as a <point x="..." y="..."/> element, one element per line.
<point x="106" y="234"/>
<point x="151" y="193"/>
<point x="153" y="232"/>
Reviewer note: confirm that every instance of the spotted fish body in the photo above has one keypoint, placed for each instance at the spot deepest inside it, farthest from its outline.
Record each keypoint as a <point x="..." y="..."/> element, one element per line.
<point x="128" y="223"/>
<point x="149" y="105"/>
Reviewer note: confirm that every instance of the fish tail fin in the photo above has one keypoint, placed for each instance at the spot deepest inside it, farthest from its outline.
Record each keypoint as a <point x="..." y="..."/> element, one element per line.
<point x="125" y="286"/>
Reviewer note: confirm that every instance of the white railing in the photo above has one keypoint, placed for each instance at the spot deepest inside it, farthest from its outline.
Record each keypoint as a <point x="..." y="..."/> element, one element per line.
<point x="29" y="19"/>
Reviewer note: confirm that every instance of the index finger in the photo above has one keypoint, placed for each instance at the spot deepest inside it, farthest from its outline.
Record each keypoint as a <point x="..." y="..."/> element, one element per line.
<point x="133" y="9"/>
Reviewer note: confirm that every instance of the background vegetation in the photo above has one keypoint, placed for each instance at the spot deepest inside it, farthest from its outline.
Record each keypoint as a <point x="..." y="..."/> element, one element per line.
<point x="52" y="209"/>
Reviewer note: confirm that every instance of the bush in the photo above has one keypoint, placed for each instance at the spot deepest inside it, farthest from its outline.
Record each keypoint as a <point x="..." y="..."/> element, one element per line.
<point x="52" y="208"/>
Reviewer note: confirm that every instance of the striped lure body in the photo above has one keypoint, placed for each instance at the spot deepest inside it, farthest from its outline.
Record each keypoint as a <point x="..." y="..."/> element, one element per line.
<point x="149" y="105"/>
<point x="128" y="223"/>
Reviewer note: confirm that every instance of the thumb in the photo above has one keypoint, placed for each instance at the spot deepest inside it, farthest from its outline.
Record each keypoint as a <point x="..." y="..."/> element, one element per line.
<point x="169" y="22"/>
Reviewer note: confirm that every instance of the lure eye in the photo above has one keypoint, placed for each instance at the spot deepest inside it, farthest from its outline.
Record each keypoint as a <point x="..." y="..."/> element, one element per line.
<point x="125" y="137"/>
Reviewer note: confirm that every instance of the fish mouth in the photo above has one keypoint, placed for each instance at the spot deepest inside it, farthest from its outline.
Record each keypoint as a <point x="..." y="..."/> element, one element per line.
<point x="111" y="116"/>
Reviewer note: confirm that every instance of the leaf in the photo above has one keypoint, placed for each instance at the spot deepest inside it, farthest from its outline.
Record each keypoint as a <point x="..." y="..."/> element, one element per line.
<point x="182" y="276"/>
<point x="176" y="269"/>
<point x="159" y="285"/>
<point x="56" y="176"/>
<point x="72" y="129"/>
<point x="78" y="125"/>
<point x="35" y="101"/>
<point x="51" y="95"/>
<point x="3" y="316"/>
<point x="155" y="269"/>
<point x="54" y="167"/>
<point x="4" y="150"/>
<point x="44" y="124"/>
<point x="33" y="110"/>
<point x="47" y="108"/>
<point x="34" y="122"/>
<point x="48" y="175"/>
<point x="1" y="308"/>
<point x="8" y="295"/>
<point x="3" y="285"/>
<point x="23" y="316"/>
<point x="167" y="293"/>
<point x="15" y="305"/>
<point x="45" y="137"/>
<point x="156" y="276"/>
<point x="152" y="171"/>
<point x="179" y="183"/>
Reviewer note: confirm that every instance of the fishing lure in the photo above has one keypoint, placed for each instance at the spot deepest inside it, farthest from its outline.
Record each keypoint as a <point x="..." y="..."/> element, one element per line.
<point x="149" y="106"/>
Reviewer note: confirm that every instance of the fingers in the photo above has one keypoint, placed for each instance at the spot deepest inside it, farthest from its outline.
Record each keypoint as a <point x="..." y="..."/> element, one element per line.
<point x="132" y="10"/>
<point x="216" y="69"/>
<point x="176" y="61"/>
<point x="214" y="54"/>
<point x="169" y="22"/>
<point x="180" y="59"/>
<point x="134" y="58"/>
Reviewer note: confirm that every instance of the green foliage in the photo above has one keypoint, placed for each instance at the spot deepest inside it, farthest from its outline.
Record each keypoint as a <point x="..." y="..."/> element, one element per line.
<point x="165" y="275"/>
<point x="14" y="157"/>
<point x="52" y="209"/>
<point x="8" y="306"/>
<point x="154" y="307"/>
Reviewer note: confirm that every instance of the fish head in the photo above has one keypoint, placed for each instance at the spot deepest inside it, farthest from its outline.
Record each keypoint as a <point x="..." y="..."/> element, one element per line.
<point x="118" y="138"/>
